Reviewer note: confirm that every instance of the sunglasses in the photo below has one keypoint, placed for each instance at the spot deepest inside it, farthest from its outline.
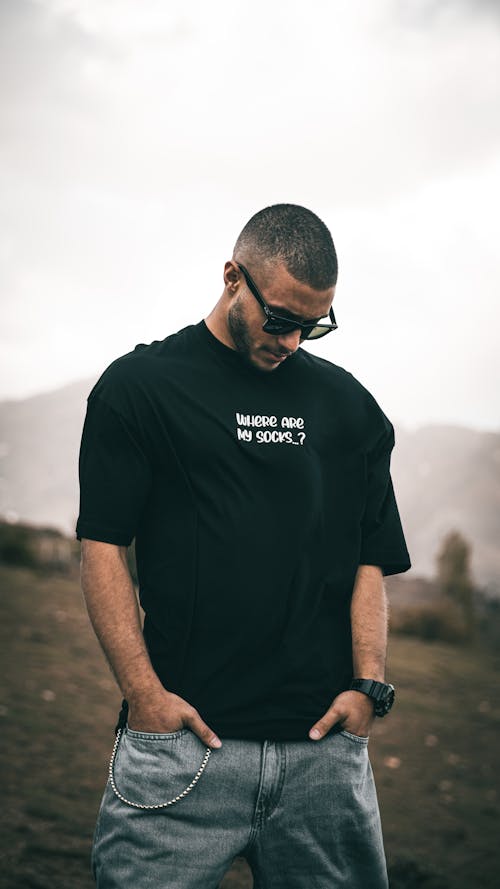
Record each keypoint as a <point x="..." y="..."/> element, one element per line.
<point x="277" y="325"/>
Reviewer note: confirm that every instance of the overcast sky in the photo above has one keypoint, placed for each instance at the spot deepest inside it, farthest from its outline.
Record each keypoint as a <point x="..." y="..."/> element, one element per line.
<point x="136" y="139"/>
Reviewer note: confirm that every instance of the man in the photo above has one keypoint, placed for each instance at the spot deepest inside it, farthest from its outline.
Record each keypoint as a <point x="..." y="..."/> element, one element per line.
<point x="255" y="480"/>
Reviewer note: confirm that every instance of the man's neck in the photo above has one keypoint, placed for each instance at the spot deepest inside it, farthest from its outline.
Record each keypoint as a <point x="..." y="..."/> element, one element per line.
<point x="217" y="325"/>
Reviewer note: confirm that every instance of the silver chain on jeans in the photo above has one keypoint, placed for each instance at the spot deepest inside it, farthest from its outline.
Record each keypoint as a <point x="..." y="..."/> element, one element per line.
<point x="158" y="805"/>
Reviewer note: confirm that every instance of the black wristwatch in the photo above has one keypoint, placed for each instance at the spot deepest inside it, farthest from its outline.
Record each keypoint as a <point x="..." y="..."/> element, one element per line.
<point x="381" y="694"/>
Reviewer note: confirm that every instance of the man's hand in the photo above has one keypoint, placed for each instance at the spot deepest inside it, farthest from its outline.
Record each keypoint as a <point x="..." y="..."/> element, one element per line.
<point x="352" y="709"/>
<point x="164" y="711"/>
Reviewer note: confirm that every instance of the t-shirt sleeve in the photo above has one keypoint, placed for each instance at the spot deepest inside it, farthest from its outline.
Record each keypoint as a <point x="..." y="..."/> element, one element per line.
<point x="382" y="538"/>
<point x="115" y="476"/>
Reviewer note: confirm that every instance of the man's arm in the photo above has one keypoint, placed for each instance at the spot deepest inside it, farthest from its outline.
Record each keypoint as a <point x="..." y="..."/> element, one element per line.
<point x="369" y="644"/>
<point x="114" y="613"/>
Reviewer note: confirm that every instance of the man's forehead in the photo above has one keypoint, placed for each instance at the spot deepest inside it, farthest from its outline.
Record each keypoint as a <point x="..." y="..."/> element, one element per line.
<point x="286" y="295"/>
<point x="298" y="301"/>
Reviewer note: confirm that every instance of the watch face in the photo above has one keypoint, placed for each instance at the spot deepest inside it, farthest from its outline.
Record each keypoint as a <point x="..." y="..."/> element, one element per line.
<point x="383" y="706"/>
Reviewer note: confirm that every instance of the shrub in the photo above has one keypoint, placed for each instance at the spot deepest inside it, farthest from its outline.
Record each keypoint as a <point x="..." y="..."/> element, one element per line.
<point x="440" y="622"/>
<point x="16" y="545"/>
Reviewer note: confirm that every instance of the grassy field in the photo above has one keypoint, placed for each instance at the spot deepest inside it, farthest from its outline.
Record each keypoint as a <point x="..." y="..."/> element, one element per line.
<point x="434" y="758"/>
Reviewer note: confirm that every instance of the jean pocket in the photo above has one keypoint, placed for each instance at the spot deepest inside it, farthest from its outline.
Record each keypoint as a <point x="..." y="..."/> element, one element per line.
<point x="156" y="770"/>
<point x="358" y="739"/>
<point x="155" y="736"/>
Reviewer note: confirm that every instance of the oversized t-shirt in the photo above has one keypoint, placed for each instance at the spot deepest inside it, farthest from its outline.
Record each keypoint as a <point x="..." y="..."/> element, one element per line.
<point x="253" y="498"/>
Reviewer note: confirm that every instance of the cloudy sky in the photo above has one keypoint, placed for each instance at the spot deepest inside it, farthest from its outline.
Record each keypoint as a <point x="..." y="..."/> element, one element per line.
<point x="136" y="139"/>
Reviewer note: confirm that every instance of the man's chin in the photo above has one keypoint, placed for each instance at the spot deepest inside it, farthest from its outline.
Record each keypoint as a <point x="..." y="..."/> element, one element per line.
<point x="260" y="360"/>
<point x="264" y="363"/>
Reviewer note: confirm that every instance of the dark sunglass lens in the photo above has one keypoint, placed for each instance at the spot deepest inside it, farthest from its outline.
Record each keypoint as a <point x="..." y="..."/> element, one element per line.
<point x="307" y="333"/>
<point x="277" y="327"/>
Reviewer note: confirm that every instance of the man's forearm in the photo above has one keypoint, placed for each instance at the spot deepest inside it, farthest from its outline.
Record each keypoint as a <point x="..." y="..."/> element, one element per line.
<point x="114" y="613"/>
<point x="352" y="709"/>
<point x="369" y="612"/>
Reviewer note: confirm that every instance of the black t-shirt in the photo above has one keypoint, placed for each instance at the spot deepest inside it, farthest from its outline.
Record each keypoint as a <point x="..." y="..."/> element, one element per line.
<point x="253" y="497"/>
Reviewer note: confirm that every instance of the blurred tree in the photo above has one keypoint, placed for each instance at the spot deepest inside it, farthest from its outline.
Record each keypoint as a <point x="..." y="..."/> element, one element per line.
<point x="15" y="545"/>
<point x="454" y="576"/>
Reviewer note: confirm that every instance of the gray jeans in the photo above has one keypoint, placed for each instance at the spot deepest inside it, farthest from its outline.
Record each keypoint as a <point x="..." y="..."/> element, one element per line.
<point x="304" y="814"/>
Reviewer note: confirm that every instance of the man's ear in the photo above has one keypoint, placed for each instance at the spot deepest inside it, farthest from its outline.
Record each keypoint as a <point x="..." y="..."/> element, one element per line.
<point x="232" y="277"/>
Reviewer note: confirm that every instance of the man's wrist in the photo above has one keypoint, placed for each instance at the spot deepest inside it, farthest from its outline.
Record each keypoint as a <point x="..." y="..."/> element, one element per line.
<point x="147" y="689"/>
<point x="382" y="694"/>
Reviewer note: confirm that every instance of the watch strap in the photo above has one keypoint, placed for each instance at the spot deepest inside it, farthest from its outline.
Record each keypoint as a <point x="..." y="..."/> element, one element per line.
<point x="371" y="687"/>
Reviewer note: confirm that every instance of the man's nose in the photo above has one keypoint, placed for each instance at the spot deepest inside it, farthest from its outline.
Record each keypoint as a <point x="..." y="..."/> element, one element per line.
<point x="289" y="341"/>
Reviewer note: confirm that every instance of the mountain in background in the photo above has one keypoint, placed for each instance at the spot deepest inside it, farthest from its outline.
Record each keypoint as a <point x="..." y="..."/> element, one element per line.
<point x="39" y="446"/>
<point x="446" y="477"/>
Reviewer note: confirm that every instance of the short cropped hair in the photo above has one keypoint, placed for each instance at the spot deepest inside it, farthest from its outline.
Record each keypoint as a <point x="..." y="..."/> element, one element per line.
<point x="296" y="237"/>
